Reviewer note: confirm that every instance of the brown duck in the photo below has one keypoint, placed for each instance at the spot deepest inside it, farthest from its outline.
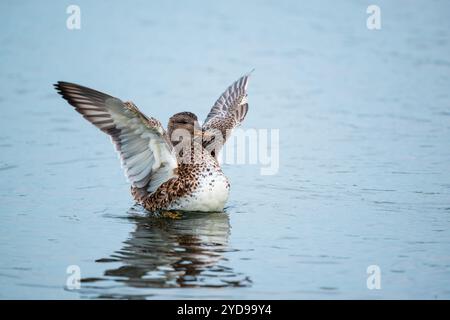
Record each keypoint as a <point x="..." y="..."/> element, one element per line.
<point x="175" y="169"/>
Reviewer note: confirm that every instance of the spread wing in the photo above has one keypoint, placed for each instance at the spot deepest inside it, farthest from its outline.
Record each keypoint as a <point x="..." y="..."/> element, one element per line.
<point x="227" y="113"/>
<point x="145" y="152"/>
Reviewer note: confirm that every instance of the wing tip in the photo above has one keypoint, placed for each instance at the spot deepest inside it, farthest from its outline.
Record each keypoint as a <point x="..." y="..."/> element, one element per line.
<point x="57" y="86"/>
<point x="246" y="77"/>
<point x="61" y="86"/>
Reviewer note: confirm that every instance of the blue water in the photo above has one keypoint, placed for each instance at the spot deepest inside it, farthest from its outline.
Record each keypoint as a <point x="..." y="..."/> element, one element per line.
<point x="364" y="179"/>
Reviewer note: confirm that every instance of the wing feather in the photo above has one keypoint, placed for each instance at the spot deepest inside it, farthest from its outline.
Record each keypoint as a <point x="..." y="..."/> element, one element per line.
<point x="227" y="113"/>
<point x="138" y="139"/>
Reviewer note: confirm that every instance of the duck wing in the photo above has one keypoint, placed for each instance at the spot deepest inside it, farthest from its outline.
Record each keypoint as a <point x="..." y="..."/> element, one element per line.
<point x="145" y="151"/>
<point x="227" y="113"/>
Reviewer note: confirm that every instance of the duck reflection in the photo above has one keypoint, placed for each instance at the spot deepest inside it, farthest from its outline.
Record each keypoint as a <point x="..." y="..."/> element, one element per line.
<point x="183" y="252"/>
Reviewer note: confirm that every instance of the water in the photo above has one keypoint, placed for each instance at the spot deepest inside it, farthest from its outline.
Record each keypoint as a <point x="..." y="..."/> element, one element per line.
<point x="364" y="179"/>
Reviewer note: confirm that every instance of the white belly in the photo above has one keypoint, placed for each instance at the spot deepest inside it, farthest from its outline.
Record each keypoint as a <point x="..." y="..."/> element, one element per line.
<point x="210" y="195"/>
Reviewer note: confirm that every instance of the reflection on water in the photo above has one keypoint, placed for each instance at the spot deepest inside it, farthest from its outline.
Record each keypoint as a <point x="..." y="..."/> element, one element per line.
<point x="168" y="253"/>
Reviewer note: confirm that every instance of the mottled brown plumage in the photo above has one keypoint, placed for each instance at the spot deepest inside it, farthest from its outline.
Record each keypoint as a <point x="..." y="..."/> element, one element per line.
<point x="169" y="170"/>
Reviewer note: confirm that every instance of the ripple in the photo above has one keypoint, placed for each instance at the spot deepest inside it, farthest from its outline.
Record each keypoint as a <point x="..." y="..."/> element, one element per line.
<point x="7" y="167"/>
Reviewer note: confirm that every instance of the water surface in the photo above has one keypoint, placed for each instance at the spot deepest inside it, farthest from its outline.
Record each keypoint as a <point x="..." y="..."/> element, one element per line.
<point x="364" y="179"/>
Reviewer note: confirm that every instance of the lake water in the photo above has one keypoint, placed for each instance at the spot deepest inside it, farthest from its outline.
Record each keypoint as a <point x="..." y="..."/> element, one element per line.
<point x="364" y="123"/>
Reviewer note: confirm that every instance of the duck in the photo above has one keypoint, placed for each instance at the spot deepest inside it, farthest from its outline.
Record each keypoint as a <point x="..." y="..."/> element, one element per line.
<point x="169" y="170"/>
